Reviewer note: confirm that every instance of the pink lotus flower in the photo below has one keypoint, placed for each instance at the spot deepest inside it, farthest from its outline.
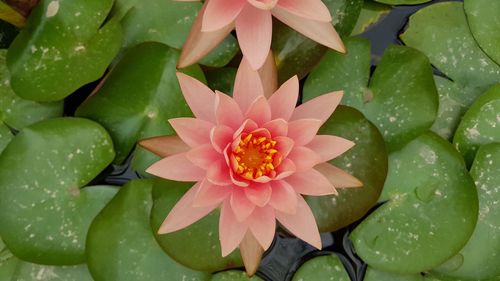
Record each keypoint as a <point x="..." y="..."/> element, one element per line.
<point x="252" y="20"/>
<point x="254" y="158"/>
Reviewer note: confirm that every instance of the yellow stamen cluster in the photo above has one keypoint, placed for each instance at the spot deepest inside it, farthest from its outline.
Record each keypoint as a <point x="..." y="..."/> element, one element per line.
<point x="255" y="156"/>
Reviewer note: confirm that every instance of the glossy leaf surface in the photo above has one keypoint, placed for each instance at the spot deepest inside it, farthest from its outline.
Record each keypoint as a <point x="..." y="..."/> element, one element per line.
<point x="430" y="214"/>
<point x="48" y="164"/>
<point x="480" y="125"/>
<point x="140" y="95"/>
<point x="133" y="253"/>
<point x="442" y="33"/>
<point x="322" y="268"/>
<point x="401" y="98"/>
<point x="62" y="48"/>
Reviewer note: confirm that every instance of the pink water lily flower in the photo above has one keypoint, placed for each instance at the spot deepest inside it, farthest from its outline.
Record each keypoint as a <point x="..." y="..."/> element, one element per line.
<point x="254" y="158"/>
<point x="252" y="20"/>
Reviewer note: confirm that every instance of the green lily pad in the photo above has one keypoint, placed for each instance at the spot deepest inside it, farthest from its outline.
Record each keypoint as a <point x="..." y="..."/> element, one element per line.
<point x="430" y="214"/>
<point x="202" y="251"/>
<point x="62" y="48"/>
<point x="453" y="102"/>
<point x="484" y="22"/>
<point x="480" y="255"/>
<point x="345" y="14"/>
<point x="221" y="79"/>
<point x="167" y="22"/>
<point x="5" y="136"/>
<point x="132" y="253"/>
<point x="401" y="99"/>
<point x="233" y="275"/>
<point x="14" y="269"/>
<point x="377" y="275"/>
<point x="403" y="2"/>
<point x="367" y="161"/>
<point x="30" y="271"/>
<point x="44" y="212"/>
<point x="322" y="268"/>
<point x="371" y="13"/>
<point x="480" y="125"/>
<point x="19" y="113"/>
<point x="140" y="95"/>
<point x="441" y="32"/>
<point x="296" y="54"/>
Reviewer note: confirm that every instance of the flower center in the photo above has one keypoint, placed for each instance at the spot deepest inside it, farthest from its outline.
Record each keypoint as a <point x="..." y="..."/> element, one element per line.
<point x="255" y="157"/>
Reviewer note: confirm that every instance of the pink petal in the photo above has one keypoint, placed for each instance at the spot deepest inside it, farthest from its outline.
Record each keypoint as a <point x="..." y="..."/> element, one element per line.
<point x="284" y="145"/>
<point x="285" y="169"/>
<point x="311" y="182"/>
<point x="261" y="132"/>
<point x="192" y="131"/>
<point x="303" y="131"/>
<point x="277" y="127"/>
<point x="254" y="31"/>
<point x="322" y="32"/>
<point x="251" y="253"/>
<point x="221" y="136"/>
<point x="165" y="145"/>
<point x="247" y="86"/>
<point x="218" y="173"/>
<point x="302" y="224"/>
<point x="199" y="44"/>
<point x="312" y="9"/>
<point x="269" y="75"/>
<point x="231" y="231"/>
<point x="284" y="197"/>
<point x="221" y="13"/>
<point x="262" y="179"/>
<point x="176" y="167"/>
<point x="183" y="214"/>
<point x="210" y="194"/>
<point x="227" y="111"/>
<point x="338" y="177"/>
<point x="247" y="127"/>
<point x="242" y="207"/>
<point x="204" y="156"/>
<point x="259" y="111"/>
<point x="318" y="108"/>
<point x="262" y="224"/>
<point x="284" y="100"/>
<point x="303" y="158"/>
<point x="329" y="147"/>
<point x="259" y="194"/>
<point x="199" y="97"/>
<point x="237" y="180"/>
<point x="263" y="4"/>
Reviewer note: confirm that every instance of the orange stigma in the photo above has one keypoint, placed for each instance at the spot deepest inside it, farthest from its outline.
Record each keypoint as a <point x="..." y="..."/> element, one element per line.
<point x="255" y="157"/>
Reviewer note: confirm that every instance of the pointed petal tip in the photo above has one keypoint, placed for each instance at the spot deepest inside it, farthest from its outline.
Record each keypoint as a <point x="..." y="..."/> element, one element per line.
<point x="164" y="229"/>
<point x="251" y="253"/>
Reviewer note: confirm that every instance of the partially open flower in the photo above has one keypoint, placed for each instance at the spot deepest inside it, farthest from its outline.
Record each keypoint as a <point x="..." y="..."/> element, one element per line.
<point x="252" y="20"/>
<point x="253" y="157"/>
